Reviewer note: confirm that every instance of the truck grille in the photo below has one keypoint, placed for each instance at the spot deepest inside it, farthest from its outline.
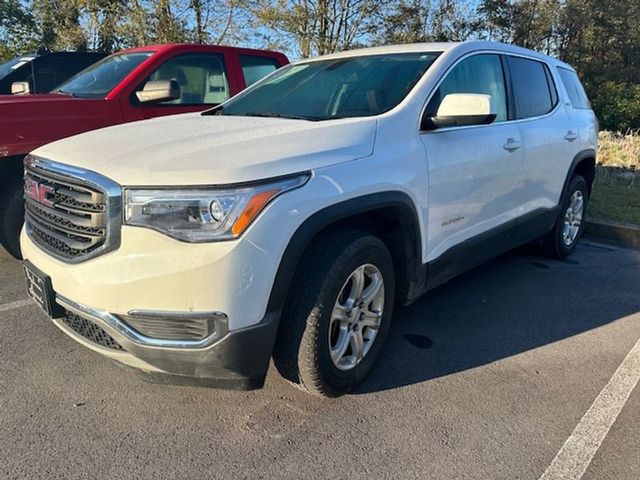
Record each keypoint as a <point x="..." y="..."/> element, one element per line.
<point x="68" y="212"/>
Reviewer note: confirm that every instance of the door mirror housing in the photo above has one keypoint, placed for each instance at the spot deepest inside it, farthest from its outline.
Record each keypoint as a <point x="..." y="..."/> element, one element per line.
<point x="20" y="88"/>
<point x="462" y="109"/>
<point x="155" y="91"/>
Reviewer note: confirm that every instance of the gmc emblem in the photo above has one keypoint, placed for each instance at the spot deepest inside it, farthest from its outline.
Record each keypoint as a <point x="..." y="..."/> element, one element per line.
<point x="38" y="192"/>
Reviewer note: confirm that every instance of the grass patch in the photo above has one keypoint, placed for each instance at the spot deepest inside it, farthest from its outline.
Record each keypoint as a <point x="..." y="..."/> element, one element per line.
<point x="619" y="150"/>
<point x="616" y="195"/>
<point x="616" y="189"/>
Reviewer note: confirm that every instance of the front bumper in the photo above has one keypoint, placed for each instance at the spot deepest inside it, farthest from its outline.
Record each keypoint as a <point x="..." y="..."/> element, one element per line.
<point x="153" y="273"/>
<point x="237" y="359"/>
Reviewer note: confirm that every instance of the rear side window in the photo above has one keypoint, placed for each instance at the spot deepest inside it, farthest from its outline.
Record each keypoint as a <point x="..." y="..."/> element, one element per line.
<point x="577" y="95"/>
<point x="255" y="67"/>
<point x="533" y="88"/>
<point x="478" y="74"/>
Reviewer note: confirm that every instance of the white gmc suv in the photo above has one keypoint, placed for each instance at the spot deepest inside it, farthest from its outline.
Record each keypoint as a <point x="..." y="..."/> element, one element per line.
<point x="288" y="221"/>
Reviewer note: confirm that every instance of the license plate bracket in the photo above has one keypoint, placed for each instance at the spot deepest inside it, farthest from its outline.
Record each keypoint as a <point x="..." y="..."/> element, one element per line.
<point x="40" y="290"/>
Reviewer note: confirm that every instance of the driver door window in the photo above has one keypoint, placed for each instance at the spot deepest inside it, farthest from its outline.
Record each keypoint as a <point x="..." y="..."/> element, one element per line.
<point x="478" y="74"/>
<point x="201" y="76"/>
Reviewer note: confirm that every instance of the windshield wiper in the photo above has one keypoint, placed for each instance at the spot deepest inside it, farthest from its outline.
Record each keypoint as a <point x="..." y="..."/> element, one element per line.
<point x="217" y="110"/>
<point x="281" y="115"/>
<point x="62" y="92"/>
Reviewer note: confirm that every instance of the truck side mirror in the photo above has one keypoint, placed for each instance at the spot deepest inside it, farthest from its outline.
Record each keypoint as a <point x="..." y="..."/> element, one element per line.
<point x="462" y="109"/>
<point x="20" y="88"/>
<point x="155" y="91"/>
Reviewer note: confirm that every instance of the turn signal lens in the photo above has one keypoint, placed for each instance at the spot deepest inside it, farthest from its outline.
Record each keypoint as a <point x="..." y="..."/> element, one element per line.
<point x="251" y="211"/>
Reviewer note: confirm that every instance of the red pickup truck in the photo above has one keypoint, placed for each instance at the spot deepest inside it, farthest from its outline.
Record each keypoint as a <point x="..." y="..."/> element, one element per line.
<point x="130" y="85"/>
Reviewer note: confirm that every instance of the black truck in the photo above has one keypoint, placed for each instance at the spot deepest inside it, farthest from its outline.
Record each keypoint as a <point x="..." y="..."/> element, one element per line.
<point x="42" y="72"/>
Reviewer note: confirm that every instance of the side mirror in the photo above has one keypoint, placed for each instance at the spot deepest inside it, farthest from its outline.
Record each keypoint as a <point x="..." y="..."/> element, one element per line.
<point x="20" y="88"/>
<point x="159" y="91"/>
<point x="462" y="109"/>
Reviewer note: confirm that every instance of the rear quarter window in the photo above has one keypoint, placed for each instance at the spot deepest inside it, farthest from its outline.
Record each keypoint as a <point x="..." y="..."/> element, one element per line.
<point x="533" y="88"/>
<point x="575" y="90"/>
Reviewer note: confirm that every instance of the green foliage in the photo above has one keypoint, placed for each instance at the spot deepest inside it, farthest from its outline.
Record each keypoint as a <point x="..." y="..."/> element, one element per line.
<point x="16" y="26"/>
<point x="617" y="105"/>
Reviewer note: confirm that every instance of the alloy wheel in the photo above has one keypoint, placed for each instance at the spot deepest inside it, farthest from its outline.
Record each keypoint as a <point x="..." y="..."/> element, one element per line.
<point x="356" y="317"/>
<point x="573" y="218"/>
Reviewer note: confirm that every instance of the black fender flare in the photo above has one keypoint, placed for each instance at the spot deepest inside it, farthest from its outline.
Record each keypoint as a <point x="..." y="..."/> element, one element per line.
<point x="325" y="217"/>
<point x="583" y="155"/>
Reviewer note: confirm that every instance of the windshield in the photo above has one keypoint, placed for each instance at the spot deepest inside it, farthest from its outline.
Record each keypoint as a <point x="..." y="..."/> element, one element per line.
<point x="7" y="67"/>
<point x="100" y="78"/>
<point x="336" y="88"/>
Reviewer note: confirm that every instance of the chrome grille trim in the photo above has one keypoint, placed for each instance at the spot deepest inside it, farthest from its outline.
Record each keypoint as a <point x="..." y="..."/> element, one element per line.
<point x="123" y="332"/>
<point x="82" y="215"/>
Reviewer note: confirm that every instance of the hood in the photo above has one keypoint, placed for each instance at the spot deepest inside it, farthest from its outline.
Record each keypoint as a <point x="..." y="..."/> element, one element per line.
<point x="195" y="149"/>
<point x="34" y="98"/>
<point x="29" y="121"/>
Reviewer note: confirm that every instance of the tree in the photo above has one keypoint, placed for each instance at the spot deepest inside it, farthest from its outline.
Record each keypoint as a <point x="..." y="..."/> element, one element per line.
<point x="104" y="23"/>
<point x="316" y="26"/>
<point x="58" y="24"/>
<point x="496" y="19"/>
<point x="406" y="22"/>
<point x="451" y="22"/>
<point x="16" y="29"/>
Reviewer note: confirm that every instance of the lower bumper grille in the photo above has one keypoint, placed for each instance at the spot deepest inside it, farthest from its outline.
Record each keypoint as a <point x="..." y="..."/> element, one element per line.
<point x="90" y="331"/>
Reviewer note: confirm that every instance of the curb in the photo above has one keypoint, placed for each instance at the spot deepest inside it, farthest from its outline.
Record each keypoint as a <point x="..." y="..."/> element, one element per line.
<point x="621" y="233"/>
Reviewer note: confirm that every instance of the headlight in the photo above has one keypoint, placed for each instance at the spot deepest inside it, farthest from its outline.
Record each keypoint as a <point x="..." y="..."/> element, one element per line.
<point x="203" y="214"/>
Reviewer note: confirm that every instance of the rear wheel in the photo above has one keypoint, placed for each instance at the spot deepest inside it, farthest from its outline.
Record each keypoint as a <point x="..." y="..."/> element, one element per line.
<point x="563" y="239"/>
<point x="337" y="315"/>
<point x="12" y="218"/>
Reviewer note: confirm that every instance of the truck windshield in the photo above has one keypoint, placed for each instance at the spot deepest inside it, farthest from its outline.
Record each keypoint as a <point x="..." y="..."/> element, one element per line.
<point x="335" y="88"/>
<point x="7" y="67"/>
<point x="100" y="78"/>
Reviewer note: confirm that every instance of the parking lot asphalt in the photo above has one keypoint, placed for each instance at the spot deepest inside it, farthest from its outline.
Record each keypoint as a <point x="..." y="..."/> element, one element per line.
<point x="485" y="377"/>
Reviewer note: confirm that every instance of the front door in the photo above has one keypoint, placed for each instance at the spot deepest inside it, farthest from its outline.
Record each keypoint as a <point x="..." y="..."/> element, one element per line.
<point x="475" y="172"/>
<point x="203" y="82"/>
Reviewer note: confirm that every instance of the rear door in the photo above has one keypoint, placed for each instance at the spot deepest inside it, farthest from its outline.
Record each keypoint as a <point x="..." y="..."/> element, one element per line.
<point x="544" y="125"/>
<point x="582" y="132"/>
<point x="475" y="171"/>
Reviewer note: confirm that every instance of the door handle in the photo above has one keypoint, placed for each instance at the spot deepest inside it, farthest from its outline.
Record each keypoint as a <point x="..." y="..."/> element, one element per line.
<point x="512" y="145"/>
<point x="571" y="136"/>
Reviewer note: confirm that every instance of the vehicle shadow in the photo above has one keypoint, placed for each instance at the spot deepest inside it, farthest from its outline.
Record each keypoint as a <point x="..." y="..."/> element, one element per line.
<point x="513" y="304"/>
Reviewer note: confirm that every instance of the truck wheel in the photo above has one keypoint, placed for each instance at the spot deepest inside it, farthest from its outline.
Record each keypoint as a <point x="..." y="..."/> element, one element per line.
<point x="337" y="314"/>
<point x="563" y="239"/>
<point x="12" y="218"/>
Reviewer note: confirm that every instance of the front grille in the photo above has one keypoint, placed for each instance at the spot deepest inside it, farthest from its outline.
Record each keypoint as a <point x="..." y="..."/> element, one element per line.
<point x="65" y="213"/>
<point x="90" y="331"/>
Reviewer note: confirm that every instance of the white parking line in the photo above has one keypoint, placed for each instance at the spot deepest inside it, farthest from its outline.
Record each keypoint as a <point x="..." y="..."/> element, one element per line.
<point x="578" y="451"/>
<point x="20" y="303"/>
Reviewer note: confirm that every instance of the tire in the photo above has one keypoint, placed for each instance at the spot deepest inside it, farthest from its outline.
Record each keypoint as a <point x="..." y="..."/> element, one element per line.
<point x="12" y="218"/>
<point x="326" y="273"/>
<point x="560" y="243"/>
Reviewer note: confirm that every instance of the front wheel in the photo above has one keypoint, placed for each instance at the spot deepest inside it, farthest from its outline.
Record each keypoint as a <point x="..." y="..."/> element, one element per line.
<point x="338" y="313"/>
<point x="563" y="239"/>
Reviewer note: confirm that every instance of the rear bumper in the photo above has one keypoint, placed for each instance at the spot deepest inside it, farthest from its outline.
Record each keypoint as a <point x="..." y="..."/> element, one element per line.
<point x="238" y="359"/>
